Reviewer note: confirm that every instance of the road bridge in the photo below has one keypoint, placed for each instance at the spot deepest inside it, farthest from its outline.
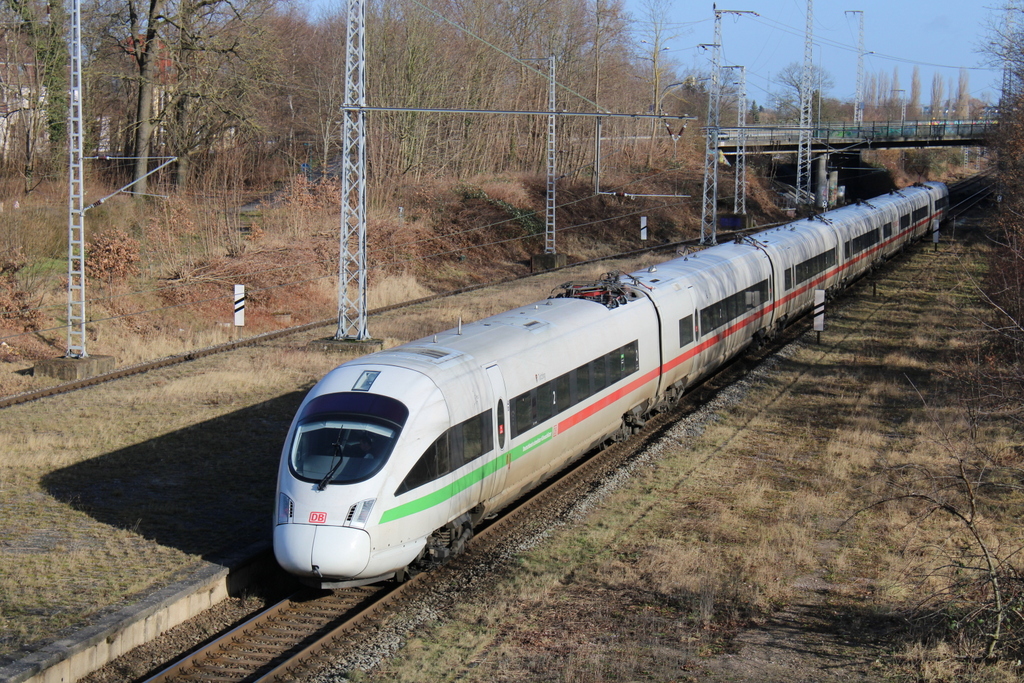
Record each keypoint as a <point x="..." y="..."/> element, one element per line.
<point x="849" y="137"/>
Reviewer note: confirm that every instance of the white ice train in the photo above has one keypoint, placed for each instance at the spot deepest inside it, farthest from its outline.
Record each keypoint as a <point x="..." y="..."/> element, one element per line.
<point x="394" y="457"/>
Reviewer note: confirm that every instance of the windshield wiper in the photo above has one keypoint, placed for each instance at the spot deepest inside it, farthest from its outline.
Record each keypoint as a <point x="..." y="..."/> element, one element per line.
<point x="334" y="468"/>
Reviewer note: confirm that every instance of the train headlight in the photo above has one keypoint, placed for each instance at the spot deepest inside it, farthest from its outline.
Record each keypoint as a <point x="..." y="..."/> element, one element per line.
<point x="359" y="513"/>
<point x="285" y="509"/>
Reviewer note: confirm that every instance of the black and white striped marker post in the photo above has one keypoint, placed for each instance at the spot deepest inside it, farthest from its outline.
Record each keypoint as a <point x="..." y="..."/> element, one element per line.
<point x="239" y="305"/>
<point x="819" y="312"/>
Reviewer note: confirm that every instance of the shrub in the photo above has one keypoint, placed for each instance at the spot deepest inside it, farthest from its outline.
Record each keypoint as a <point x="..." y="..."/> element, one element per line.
<point x="112" y="257"/>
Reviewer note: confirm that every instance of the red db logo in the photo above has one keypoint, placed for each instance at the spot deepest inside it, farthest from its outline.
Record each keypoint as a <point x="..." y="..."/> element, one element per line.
<point x="317" y="517"/>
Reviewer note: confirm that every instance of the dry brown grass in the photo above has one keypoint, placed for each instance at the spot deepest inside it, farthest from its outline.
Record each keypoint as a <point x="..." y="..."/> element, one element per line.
<point x="754" y="514"/>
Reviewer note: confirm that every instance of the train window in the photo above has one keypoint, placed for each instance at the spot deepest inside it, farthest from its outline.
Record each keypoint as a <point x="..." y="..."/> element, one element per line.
<point x="734" y="306"/>
<point x="904" y="222"/>
<point x="599" y="371"/>
<point x="432" y="465"/>
<point x="463" y="443"/>
<point x="887" y="230"/>
<point x="476" y="437"/>
<point x="863" y="242"/>
<point x="563" y="397"/>
<point x="920" y="213"/>
<point x="789" y="278"/>
<point x="631" y="359"/>
<point x="545" y="402"/>
<point x="555" y="397"/>
<point x="582" y="383"/>
<point x="522" y="413"/>
<point x="811" y="267"/>
<point x="501" y="423"/>
<point x="685" y="331"/>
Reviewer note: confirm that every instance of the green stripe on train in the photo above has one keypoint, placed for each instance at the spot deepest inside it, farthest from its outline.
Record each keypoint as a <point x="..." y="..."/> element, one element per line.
<point x="464" y="482"/>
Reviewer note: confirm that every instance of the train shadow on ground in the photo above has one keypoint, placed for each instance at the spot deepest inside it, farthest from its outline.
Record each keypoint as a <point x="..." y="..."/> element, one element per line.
<point x="207" y="489"/>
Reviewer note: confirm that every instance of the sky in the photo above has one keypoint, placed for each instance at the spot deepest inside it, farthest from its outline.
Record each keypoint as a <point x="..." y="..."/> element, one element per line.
<point x="937" y="35"/>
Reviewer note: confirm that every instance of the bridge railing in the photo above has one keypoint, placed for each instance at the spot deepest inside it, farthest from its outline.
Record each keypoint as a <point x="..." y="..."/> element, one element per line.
<point x="886" y="130"/>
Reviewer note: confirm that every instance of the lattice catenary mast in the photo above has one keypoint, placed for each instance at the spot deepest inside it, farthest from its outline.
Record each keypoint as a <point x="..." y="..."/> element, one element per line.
<point x="549" y="214"/>
<point x="352" y="257"/>
<point x="858" y="103"/>
<point x="76" y="197"/>
<point x="803" y="162"/>
<point x="740" y="189"/>
<point x="709" y="204"/>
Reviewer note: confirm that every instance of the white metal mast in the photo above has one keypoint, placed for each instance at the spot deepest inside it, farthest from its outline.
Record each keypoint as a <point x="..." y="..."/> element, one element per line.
<point x="803" y="164"/>
<point x="858" y="103"/>
<point x="352" y="257"/>
<point x="76" y="199"/>
<point x="549" y="233"/>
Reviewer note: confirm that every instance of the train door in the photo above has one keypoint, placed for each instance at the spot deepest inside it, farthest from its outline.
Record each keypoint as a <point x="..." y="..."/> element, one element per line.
<point x="498" y="465"/>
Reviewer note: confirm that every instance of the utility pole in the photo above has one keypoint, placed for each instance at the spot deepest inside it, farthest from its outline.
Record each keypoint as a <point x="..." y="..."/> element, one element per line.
<point x="352" y="257"/>
<point x="803" y="164"/>
<point x="858" y="104"/>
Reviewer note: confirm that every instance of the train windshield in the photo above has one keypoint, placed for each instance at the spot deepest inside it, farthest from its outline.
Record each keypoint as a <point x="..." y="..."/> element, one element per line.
<point x="345" y="438"/>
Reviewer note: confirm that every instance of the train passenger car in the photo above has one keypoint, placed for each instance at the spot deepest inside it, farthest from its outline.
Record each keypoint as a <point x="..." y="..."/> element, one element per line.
<point x="394" y="457"/>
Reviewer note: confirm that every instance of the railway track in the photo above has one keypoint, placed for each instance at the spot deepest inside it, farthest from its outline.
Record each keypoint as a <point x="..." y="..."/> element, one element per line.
<point x="311" y="629"/>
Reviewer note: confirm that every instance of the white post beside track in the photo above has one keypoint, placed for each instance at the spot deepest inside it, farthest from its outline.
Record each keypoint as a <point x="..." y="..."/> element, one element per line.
<point x="819" y="312"/>
<point x="239" y="305"/>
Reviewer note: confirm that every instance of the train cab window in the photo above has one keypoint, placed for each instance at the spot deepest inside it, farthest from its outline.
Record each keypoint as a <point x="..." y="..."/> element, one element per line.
<point x="344" y="438"/>
<point x="685" y="331"/>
